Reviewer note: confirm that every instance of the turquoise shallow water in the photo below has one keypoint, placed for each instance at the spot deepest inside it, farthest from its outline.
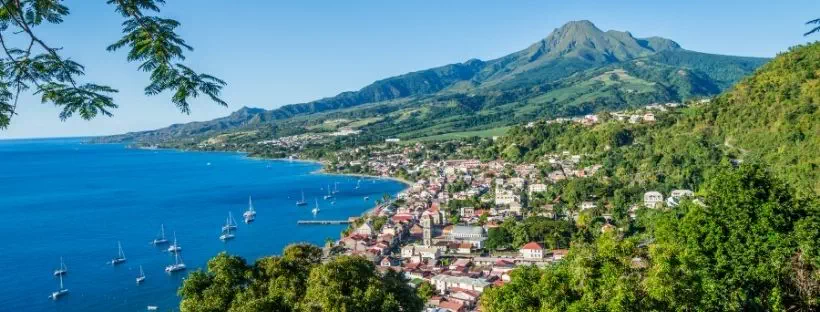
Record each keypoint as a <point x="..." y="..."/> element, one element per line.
<point x="59" y="197"/>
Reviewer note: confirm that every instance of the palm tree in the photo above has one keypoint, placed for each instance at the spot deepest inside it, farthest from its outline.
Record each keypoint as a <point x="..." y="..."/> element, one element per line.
<point x="815" y="29"/>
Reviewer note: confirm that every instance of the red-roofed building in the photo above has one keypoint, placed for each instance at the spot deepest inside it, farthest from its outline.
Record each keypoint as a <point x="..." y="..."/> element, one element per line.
<point x="452" y="306"/>
<point x="532" y="250"/>
<point x="402" y="218"/>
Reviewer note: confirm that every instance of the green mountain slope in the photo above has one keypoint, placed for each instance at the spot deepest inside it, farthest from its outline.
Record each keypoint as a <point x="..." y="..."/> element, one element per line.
<point x="560" y="75"/>
<point x="771" y="118"/>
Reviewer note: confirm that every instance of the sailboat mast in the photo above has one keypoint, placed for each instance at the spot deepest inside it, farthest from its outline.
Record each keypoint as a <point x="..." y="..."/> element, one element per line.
<point x="61" y="282"/>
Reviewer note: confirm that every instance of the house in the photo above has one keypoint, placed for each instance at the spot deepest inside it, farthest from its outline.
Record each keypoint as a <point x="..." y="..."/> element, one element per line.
<point x="431" y="253"/>
<point x="445" y="282"/>
<point x="532" y="250"/>
<point x="467" y="212"/>
<point x="468" y="297"/>
<point x="652" y="199"/>
<point x="516" y="208"/>
<point x="557" y="175"/>
<point x="451" y="306"/>
<point x="681" y="193"/>
<point x="649" y="117"/>
<point x="365" y="229"/>
<point x="518" y="182"/>
<point x="587" y="205"/>
<point x="504" y="197"/>
<point x="537" y="188"/>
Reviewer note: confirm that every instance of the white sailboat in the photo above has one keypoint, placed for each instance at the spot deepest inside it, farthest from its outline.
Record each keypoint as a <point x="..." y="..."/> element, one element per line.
<point x="161" y="239"/>
<point x="175" y="246"/>
<point x="250" y="214"/>
<point x="62" y="291"/>
<point x="358" y="183"/>
<point x="301" y="202"/>
<point x="120" y="258"/>
<point x="62" y="269"/>
<point x="315" y="209"/>
<point x="228" y="228"/>
<point x="230" y="223"/>
<point x="141" y="277"/>
<point x="335" y="188"/>
<point x="177" y="266"/>
<point x="329" y="193"/>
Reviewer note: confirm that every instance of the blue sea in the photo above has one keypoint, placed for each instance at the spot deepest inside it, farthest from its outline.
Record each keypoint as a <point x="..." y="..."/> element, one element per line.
<point x="64" y="198"/>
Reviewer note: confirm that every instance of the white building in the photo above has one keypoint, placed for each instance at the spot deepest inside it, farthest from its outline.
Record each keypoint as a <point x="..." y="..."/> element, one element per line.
<point x="504" y="197"/>
<point x="444" y="282"/>
<point x="682" y="193"/>
<point x="365" y="229"/>
<point x="474" y="235"/>
<point x="652" y="199"/>
<point x="537" y="188"/>
<point x="532" y="250"/>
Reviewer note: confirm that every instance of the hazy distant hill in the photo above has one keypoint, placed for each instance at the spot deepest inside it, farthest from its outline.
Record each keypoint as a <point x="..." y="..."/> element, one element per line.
<point x="576" y="69"/>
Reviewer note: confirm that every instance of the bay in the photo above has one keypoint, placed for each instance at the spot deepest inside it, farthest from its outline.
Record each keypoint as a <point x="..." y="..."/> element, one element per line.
<point x="63" y="198"/>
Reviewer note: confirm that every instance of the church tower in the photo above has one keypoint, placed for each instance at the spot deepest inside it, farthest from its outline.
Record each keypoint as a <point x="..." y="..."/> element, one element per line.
<point x="426" y="224"/>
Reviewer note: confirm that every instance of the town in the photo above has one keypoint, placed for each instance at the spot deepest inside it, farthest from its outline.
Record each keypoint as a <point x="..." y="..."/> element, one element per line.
<point x="444" y="232"/>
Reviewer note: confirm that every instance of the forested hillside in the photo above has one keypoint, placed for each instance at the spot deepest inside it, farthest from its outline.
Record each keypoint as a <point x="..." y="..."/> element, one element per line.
<point x="576" y="69"/>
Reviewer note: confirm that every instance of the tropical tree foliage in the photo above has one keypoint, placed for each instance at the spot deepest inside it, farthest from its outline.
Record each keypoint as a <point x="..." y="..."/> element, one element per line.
<point x="30" y="64"/>
<point x="751" y="245"/>
<point x="296" y="281"/>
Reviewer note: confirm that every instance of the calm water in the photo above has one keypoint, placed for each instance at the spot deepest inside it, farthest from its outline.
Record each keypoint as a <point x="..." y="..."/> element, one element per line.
<point x="63" y="198"/>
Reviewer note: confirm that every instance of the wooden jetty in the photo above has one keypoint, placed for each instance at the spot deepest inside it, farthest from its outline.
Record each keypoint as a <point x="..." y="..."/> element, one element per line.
<point x="321" y="222"/>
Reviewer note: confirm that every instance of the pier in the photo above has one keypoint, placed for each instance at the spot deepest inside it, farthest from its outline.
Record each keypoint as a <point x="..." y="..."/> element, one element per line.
<point x="321" y="222"/>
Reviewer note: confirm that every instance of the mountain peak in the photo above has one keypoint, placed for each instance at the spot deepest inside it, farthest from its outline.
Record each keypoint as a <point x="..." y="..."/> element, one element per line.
<point x="579" y="24"/>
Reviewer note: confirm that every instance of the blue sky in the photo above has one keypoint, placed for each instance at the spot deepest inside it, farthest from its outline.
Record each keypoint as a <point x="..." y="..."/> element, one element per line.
<point x="274" y="53"/>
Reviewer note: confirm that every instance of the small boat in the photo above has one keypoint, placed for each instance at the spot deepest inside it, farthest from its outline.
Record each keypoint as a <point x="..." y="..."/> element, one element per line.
<point x="175" y="246"/>
<point x="358" y="183"/>
<point x="335" y="188"/>
<point x="141" y="277"/>
<point x="230" y="223"/>
<point x="315" y="210"/>
<point x="227" y="235"/>
<point x="177" y="266"/>
<point x="161" y="240"/>
<point x="62" y="270"/>
<point x="120" y="258"/>
<point x="152" y="308"/>
<point x="329" y="193"/>
<point x="367" y="198"/>
<point x="60" y="292"/>
<point x="249" y="215"/>
<point x="302" y="202"/>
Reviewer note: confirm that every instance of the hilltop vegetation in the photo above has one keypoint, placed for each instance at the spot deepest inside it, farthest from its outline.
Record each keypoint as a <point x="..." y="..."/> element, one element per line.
<point x="577" y="69"/>
<point x="752" y="246"/>
<point x="296" y="281"/>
